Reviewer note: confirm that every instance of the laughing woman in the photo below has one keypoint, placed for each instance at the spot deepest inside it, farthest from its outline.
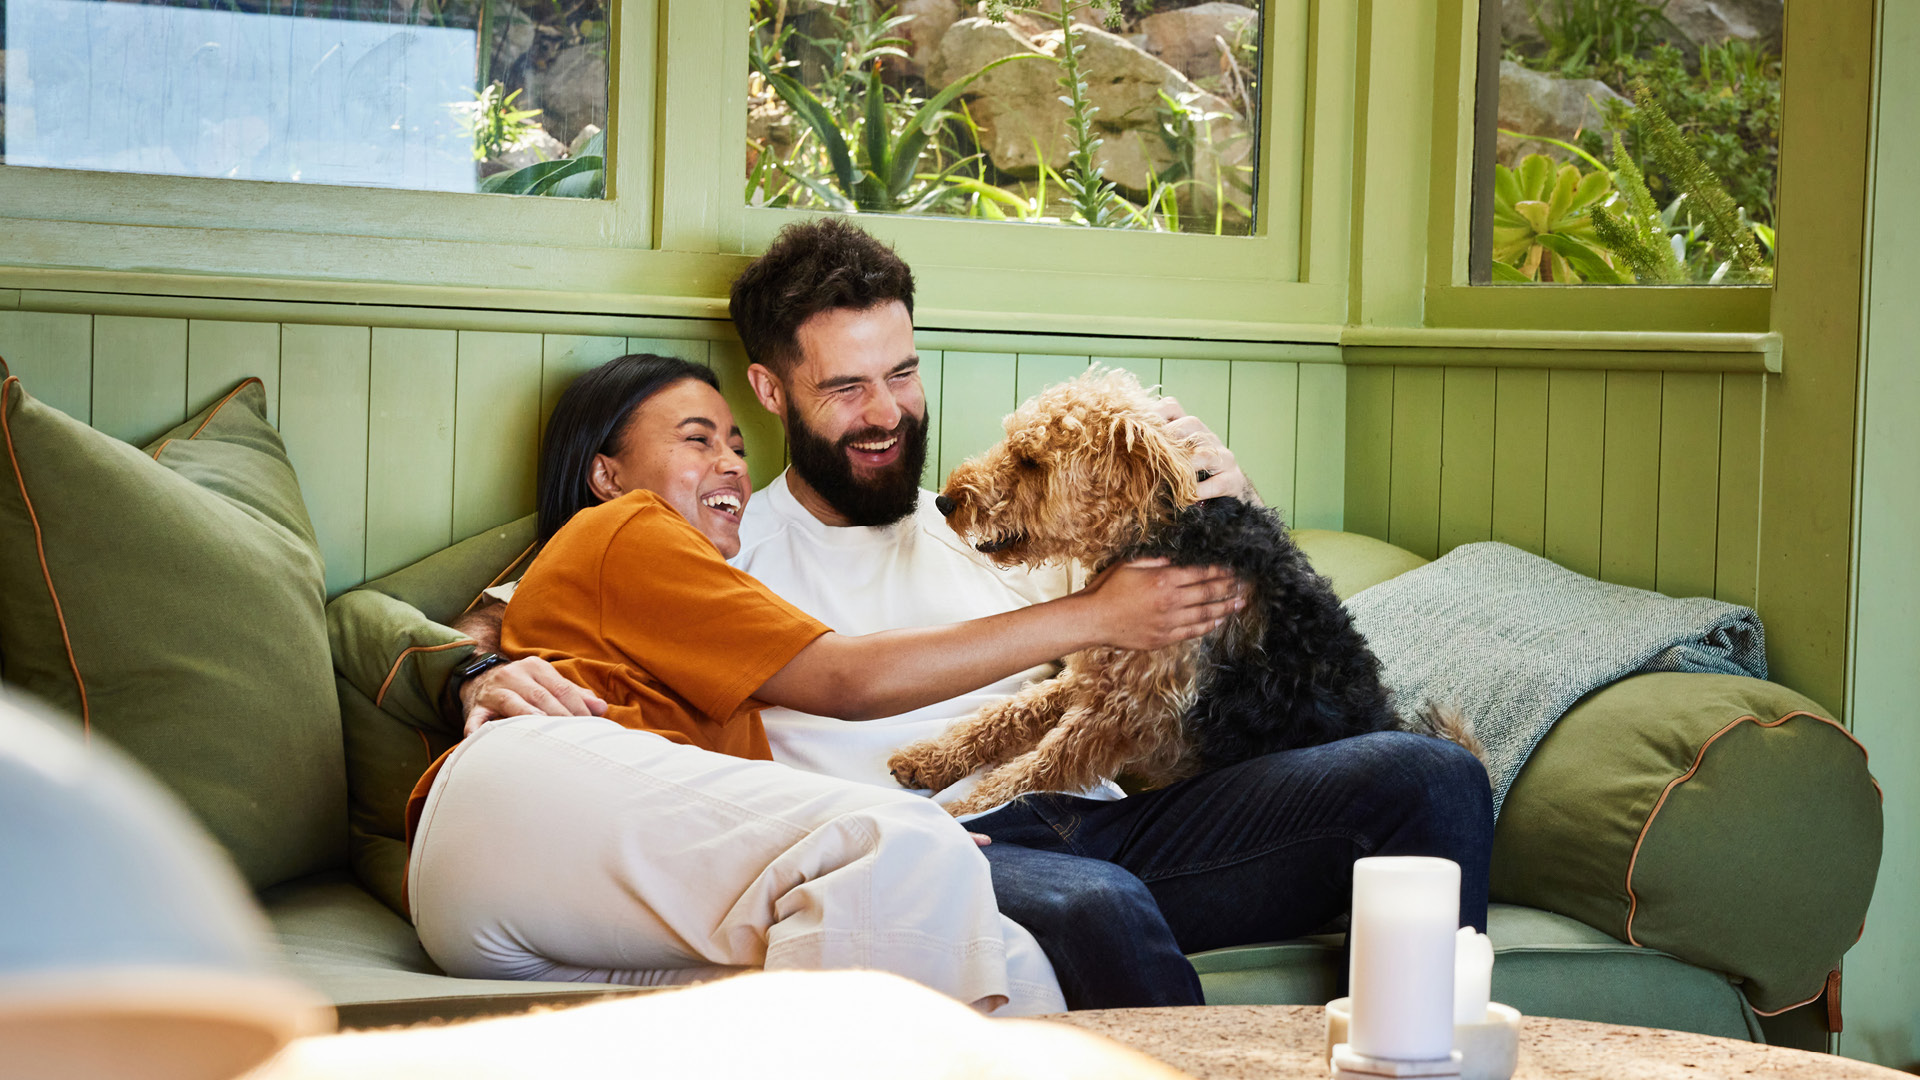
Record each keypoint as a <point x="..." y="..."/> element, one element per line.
<point x="661" y="844"/>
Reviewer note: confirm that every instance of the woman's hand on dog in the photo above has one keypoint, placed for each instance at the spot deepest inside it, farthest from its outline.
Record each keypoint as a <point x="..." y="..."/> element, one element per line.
<point x="1211" y="458"/>
<point x="1149" y="604"/>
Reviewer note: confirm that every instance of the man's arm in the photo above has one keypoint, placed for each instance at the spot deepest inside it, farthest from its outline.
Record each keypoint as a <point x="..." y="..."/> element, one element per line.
<point x="1210" y="455"/>
<point x="525" y="687"/>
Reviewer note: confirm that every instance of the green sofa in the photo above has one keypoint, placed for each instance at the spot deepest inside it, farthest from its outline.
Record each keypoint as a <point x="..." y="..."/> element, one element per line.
<point x="1682" y="851"/>
<point x="1557" y="929"/>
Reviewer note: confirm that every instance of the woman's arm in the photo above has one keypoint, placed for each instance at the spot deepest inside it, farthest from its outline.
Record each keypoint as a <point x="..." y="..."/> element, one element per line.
<point x="1143" y="605"/>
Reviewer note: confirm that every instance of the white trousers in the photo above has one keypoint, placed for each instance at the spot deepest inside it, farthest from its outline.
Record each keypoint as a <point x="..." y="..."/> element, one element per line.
<point x="570" y="848"/>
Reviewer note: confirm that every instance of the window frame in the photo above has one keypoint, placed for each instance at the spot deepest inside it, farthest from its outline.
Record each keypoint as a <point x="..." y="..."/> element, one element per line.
<point x="1452" y="300"/>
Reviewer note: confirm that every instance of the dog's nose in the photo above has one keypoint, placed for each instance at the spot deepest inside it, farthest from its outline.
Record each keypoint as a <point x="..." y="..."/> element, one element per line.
<point x="945" y="505"/>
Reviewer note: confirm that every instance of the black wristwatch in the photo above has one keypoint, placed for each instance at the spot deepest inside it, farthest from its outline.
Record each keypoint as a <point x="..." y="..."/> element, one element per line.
<point x="474" y="666"/>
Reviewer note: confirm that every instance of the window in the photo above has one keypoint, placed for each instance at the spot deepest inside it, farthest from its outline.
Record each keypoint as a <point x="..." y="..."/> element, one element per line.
<point x="1627" y="142"/>
<point x="460" y="95"/>
<point x="1122" y="114"/>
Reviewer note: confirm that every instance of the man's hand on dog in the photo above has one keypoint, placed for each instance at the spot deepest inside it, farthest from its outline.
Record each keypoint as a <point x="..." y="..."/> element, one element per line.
<point x="525" y="687"/>
<point x="1187" y="601"/>
<point x="1211" y="458"/>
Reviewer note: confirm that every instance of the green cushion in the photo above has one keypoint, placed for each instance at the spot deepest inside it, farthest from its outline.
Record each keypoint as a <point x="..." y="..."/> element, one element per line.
<point x="171" y="601"/>
<point x="1544" y="965"/>
<point x="337" y="939"/>
<point x="1718" y="818"/>
<point x="393" y="651"/>
<point x="1352" y="561"/>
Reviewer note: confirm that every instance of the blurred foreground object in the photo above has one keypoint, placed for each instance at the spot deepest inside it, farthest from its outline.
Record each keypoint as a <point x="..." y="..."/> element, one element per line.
<point x="129" y="947"/>
<point x="790" y="1025"/>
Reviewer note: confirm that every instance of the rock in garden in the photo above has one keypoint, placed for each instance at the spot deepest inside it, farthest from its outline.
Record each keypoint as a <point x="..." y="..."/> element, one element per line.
<point x="1023" y="121"/>
<point x="1516" y="23"/>
<point x="572" y="92"/>
<point x="581" y="140"/>
<point x="1188" y="39"/>
<point x="1535" y="103"/>
<point x="537" y="146"/>
<point x="1710" y="22"/>
<point x="931" y="18"/>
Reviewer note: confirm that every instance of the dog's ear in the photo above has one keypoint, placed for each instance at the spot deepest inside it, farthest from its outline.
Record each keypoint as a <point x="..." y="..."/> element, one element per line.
<point x="1163" y="467"/>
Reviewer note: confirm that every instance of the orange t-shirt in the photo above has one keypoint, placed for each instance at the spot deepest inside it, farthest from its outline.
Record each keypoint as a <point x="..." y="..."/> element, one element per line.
<point x="634" y="603"/>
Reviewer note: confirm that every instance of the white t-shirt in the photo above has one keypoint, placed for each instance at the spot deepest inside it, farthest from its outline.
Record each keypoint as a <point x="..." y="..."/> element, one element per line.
<point x="863" y="580"/>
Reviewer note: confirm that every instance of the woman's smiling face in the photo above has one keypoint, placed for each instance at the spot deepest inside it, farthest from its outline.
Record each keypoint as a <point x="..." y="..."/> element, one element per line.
<point x="682" y="445"/>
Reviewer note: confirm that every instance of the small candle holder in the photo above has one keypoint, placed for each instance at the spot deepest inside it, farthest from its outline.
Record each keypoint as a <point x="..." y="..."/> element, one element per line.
<point x="1486" y="1050"/>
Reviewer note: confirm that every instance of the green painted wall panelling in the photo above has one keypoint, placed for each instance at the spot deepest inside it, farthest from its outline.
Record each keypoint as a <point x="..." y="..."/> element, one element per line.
<point x="496" y="428"/>
<point x="1883" y="972"/>
<point x="410" y="446"/>
<point x="977" y="390"/>
<point x="1636" y="477"/>
<point x="325" y="381"/>
<point x="1034" y="372"/>
<point x="1263" y="424"/>
<point x="52" y="353"/>
<point x="220" y="354"/>
<point x="564" y="357"/>
<point x="766" y="441"/>
<point x="1320" y="460"/>
<point x="139" y="376"/>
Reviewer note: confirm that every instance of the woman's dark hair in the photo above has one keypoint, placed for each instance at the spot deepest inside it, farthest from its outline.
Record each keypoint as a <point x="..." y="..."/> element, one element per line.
<point x="589" y="419"/>
<point x="812" y="266"/>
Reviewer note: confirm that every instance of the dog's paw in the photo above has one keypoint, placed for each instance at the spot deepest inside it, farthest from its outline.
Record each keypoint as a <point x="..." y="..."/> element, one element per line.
<point x="928" y="764"/>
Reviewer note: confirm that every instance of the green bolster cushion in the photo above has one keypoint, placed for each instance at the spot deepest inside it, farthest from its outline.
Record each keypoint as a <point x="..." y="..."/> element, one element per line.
<point x="1721" y="819"/>
<point x="1351" y="561"/>
<point x="392" y="652"/>
<point x="170" y="600"/>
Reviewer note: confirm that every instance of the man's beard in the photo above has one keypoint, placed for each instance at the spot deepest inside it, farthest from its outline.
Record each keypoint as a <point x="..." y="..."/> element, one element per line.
<point x="882" y="498"/>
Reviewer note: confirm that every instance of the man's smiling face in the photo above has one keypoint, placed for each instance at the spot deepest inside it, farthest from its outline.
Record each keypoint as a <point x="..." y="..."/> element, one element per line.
<point x="856" y="415"/>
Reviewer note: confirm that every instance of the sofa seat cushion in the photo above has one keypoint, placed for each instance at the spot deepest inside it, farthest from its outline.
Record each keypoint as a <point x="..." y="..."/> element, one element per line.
<point x="169" y="599"/>
<point x="1544" y="965"/>
<point x="1722" y="819"/>
<point x="338" y="939"/>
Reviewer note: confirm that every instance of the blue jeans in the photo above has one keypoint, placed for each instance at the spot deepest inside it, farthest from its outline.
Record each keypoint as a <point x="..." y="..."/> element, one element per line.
<point x="1117" y="892"/>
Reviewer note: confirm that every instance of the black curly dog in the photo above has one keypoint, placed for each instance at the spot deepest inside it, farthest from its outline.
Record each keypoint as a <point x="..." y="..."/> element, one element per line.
<point x="1310" y="678"/>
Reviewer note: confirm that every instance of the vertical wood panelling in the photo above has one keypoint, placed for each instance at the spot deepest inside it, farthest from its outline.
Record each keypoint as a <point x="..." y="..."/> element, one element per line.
<point x="564" y="358"/>
<point x="1466" y="457"/>
<point x="697" y="350"/>
<point x="139" y="375"/>
<point x="1737" y="565"/>
<point x="1034" y="372"/>
<point x="1369" y="449"/>
<point x="9" y="299"/>
<point x="53" y="356"/>
<point x="1145" y="369"/>
<point x="323" y="420"/>
<point x="496" y="428"/>
<point x="1520" y="459"/>
<point x="766" y="440"/>
<point x="220" y="354"/>
<point x="410" y="424"/>
<point x="1203" y="388"/>
<point x="1630" y="491"/>
<point x="1263" y="417"/>
<point x="976" y="393"/>
<point x="1320" y="454"/>
<point x="1418" y="399"/>
<point x="1576" y="445"/>
<point x="930" y="363"/>
<point x="1689" y="482"/>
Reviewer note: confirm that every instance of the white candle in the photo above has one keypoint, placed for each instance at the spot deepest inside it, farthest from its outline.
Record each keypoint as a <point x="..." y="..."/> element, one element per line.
<point x="1405" y="912"/>
<point x="1472" y="976"/>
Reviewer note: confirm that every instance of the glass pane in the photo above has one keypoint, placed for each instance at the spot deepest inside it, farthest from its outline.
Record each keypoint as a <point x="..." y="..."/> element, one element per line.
<point x="954" y="108"/>
<point x="464" y="95"/>
<point x="1636" y="142"/>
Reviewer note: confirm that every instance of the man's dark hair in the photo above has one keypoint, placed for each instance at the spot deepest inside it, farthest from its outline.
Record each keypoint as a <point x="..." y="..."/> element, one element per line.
<point x="591" y="418"/>
<point x="812" y="266"/>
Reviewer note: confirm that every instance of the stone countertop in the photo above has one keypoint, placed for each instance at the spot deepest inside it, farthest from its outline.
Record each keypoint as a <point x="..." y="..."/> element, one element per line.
<point x="1279" y="1042"/>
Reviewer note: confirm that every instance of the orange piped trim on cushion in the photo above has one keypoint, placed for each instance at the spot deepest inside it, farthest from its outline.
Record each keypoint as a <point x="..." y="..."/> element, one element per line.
<point x="498" y="578"/>
<point x="216" y="412"/>
<point x="402" y="658"/>
<point x="1833" y="1012"/>
<point x="86" y="716"/>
